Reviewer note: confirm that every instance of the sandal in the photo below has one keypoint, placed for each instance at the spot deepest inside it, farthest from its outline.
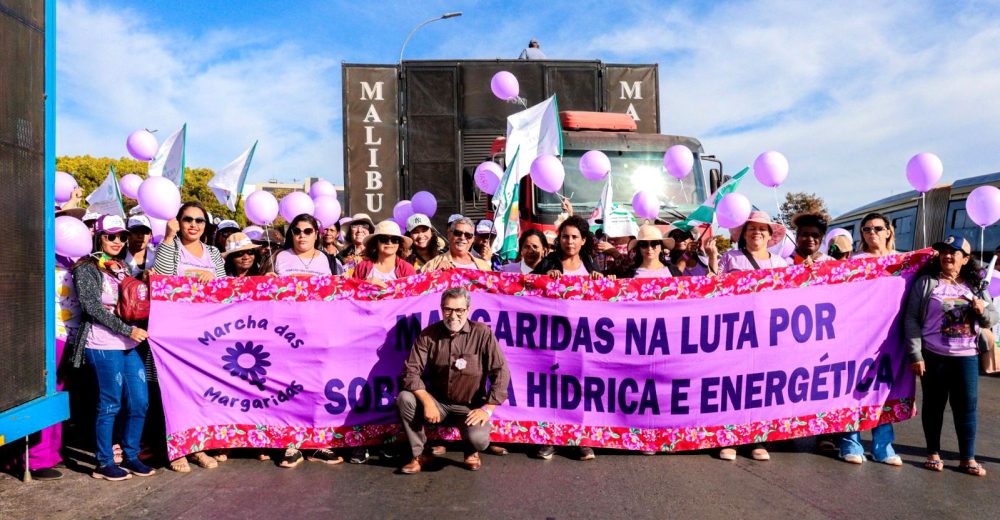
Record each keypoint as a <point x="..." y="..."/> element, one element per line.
<point x="204" y="460"/>
<point x="222" y="455"/>
<point x="180" y="465"/>
<point x="975" y="469"/>
<point x="934" y="464"/>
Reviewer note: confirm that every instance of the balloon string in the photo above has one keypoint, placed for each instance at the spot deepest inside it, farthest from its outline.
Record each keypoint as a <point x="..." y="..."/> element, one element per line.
<point x="923" y="212"/>
<point x="982" y="233"/>
<point x="777" y="204"/>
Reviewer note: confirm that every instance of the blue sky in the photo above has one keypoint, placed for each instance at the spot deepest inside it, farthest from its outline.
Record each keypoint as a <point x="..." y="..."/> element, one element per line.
<point x="848" y="91"/>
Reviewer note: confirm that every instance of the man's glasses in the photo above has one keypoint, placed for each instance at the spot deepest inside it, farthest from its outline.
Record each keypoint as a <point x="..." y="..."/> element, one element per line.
<point x="197" y="220"/>
<point x="451" y="310"/>
<point x="383" y="239"/>
<point x="872" y="229"/>
<point x="303" y="231"/>
<point x="462" y="234"/>
<point x="650" y="243"/>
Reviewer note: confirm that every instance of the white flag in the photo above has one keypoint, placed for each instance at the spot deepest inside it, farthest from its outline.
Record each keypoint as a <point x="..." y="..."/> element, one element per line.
<point x="169" y="160"/>
<point x="227" y="184"/>
<point x="106" y="199"/>
<point x="533" y="132"/>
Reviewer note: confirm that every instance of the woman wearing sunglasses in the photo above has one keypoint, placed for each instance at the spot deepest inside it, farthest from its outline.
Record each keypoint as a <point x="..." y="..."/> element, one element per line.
<point x="185" y="251"/>
<point x="242" y="256"/>
<point x="109" y="345"/>
<point x="877" y="239"/>
<point x="383" y="261"/>
<point x="301" y="255"/>
<point x="651" y="255"/>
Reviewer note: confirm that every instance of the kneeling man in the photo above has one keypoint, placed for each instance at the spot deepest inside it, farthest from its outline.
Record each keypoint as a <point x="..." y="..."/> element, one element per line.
<point x="444" y="381"/>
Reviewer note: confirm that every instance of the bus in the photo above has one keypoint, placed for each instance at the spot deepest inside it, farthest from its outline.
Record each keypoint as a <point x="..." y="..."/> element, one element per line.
<point x="944" y="210"/>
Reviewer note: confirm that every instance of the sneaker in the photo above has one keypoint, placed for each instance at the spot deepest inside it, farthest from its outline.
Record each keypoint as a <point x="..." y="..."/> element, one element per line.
<point x="546" y="452"/>
<point x="586" y="453"/>
<point x="359" y="456"/>
<point x="137" y="468"/>
<point x="113" y="473"/>
<point x="292" y="458"/>
<point x="326" y="456"/>
<point x="46" y="474"/>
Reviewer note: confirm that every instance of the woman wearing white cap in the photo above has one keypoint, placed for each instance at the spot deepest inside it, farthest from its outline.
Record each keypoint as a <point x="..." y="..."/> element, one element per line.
<point x="651" y="258"/>
<point x="383" y="261"/>
<point x="427" y="244"/>
<point x="139" y="255"/>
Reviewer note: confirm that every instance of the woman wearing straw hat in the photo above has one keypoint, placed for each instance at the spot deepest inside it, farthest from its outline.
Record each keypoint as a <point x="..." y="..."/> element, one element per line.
<point x="651" y="257"/>
<point x="358" y="229"/>
<point x="242" y="256"/>
<point x="383" y="261"/>
<point x="753" y="238"/>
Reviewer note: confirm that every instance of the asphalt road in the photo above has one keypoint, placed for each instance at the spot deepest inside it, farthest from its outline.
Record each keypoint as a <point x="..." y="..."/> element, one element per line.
<point x="797" y="483"/>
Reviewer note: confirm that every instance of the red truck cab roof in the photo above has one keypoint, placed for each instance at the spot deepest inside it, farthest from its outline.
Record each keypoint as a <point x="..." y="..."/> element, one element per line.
<point x="578" y="120"/>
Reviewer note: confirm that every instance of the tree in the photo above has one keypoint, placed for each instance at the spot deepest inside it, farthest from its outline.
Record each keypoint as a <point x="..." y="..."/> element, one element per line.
<point x="802" y="202"/>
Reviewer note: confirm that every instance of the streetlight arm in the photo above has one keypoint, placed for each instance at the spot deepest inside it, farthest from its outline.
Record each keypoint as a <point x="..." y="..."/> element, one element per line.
<point x="417" y="28"/>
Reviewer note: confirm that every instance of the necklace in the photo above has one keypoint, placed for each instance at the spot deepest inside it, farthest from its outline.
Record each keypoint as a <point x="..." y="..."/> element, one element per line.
<point x="304" y="263"/>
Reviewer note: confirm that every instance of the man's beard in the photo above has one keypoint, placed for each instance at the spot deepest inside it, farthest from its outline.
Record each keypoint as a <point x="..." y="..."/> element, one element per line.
<point x="454" y="325"/>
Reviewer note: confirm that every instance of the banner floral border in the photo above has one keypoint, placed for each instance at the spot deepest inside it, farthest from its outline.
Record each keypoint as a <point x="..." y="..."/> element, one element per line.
<point x="328" y="288"/>
<point x="665" y="440"/>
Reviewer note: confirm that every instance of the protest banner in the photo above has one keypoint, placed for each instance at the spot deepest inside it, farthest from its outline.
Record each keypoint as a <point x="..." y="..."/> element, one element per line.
<point x="646" y="364"/>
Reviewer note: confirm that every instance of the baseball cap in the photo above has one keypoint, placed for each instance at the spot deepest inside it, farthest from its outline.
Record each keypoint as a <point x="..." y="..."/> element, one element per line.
<point x="109" y="225"/>
<point x="455" y="217"/>
<point x="254" y="232"/>
<point x="416" y="220"/>
<point x="138" y="221"/>
<point x="90" y="215"/>
<point x="228" y="224"/>
<point x="955" y="243"/>
<point x="485" y="227"/>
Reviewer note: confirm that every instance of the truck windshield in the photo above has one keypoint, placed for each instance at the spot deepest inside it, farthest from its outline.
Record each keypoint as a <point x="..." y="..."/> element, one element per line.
<point x="630" y="171"/>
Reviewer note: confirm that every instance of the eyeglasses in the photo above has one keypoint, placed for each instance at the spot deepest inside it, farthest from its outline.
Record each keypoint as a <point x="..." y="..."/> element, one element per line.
<point x="117" y="237"/>
<point x="650" y="243"/>
<point x="383" y="239"/>
<point x="462" y="234"/>
<point x="451" y="310"/>
<point x="241" y="254"/>
<point x="872" y="229"/>
<point x="303" y="231"/>
<point x="197" y="220"/>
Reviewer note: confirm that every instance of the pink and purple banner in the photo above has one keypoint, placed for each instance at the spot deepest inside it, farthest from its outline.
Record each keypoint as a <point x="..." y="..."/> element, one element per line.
<point x="646" y="364"/>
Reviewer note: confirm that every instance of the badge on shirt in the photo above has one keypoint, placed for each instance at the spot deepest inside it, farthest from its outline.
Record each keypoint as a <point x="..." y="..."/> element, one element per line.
<point x="460" y="363"/>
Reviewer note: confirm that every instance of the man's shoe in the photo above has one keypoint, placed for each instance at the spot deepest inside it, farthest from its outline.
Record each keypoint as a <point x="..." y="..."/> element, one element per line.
<point x="416" y="465"/>
<point x="46" y="474"/>
<point x="499" y="451"/>
<point x="546" y="452"/>
<point x="359" y="456"/>
<point x="326" y="456"/>
<point x="137" y="468"/>
<point x="586" y="453"/>
<point x="437" y="451"/>
<point x="112" y="472"/>
<point x="473" y="462"/>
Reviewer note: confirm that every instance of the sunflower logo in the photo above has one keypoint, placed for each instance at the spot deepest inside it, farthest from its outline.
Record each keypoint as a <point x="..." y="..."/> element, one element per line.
<point x="247" y="362"/>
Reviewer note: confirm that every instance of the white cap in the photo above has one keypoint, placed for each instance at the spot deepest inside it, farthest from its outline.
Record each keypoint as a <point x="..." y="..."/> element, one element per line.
<point x="90" y="215"/>
<point x="485" y="227"/>
<point x="136" y="210"/>
<point x="416" y="220"/>
<point x="137" y="221"/>
<point x="455" y="217"/>
<point x="254" y="232"/>
<point x="228" y="224"/>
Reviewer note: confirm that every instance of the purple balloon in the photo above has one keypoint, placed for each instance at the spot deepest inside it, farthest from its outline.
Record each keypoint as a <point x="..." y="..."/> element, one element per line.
<point x="732" y="210"/>
<point x="488" y="175"/>
<point x="771" y="169"/>
<point x="547" y="173"/>
<point x="261" y="208"/>
<point x="995" y="285"/>
<point x="65" y="184"/>
<point x="129" y="185"/>
<point x="402" y="211"/>
<point x="923" y="171"/>
<point x="158" y="228"/>
<point x="645" y="204"/>
<point x="983" y="205"/>
<point x="142" y="145"/>
<point x="322" y="188"/>
<point x="424" y="202"/>
<point x="504" y="86"/>
<point x="327" y="210"/>
<point x="159" y="198"/>
<point x="678" y="161"/>
<point x="595" y="165"/>
<point x="73" y="238"/>
<point x="294" y="204"/>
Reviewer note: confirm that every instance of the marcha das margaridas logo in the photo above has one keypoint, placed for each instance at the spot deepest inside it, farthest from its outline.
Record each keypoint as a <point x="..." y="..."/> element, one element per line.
<point x="238" y="362"/>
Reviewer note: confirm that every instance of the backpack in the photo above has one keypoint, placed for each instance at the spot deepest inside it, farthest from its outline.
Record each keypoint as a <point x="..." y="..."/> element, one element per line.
<point x="133" y="300"/>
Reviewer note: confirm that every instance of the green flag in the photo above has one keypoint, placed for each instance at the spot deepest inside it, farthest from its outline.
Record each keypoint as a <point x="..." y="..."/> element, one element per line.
<point x="705" y="214"/>
<point x="506" y="213"/>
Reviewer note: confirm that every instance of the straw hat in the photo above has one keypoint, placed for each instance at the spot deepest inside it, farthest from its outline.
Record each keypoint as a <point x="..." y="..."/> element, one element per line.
<point x="649" y="232"/>
<point x="760" y="217"/>
<point x="390" y="229"/>
<point x="238" y="242"/>
<point x="362" y="218"/>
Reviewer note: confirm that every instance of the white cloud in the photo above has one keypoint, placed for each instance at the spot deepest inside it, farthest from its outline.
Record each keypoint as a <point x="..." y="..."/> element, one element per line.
<point x="116" y="74"/>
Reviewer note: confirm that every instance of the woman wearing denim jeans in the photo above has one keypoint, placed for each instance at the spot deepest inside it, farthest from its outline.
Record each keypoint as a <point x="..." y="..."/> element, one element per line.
<point x="877" y="239"/>
<point x="109" y="344"/>
<point x="945" y="311"/>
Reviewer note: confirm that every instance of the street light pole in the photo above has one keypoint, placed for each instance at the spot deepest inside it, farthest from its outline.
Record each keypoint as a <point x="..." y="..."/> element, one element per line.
<point x="445" y="16"/>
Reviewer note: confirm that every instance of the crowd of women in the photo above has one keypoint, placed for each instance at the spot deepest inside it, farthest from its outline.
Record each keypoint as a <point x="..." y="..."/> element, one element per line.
<point x="945" y="314"/>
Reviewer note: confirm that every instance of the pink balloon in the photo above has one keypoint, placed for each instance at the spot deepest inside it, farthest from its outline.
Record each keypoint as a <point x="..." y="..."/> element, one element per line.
<point x="424" y="202"/>
<point x="294" y="204"/>
<point x="142" y="145"/>
<point x="159" y="198"/>
<point x="261" y="208"/>
<point x="65" y="184"/>
<point x="645" y="204"/>
<point x="983" y="205"/>
<point x="129" y="185"/>
<point x="924" y="171"/>
<point x="504" y="85"/>
<point x="488" y="175"/>
<point x="595" y="165"/>
<point x="733" y="210"/>
<point x="547" y="173"/>
<point x="158" y="228"/>
<point x="322" y="188"/>
<point x="327" y="210"/>
<point x="73" y="238"/>
<point x="771" y="169"/>
<point x="678" y="161"/>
